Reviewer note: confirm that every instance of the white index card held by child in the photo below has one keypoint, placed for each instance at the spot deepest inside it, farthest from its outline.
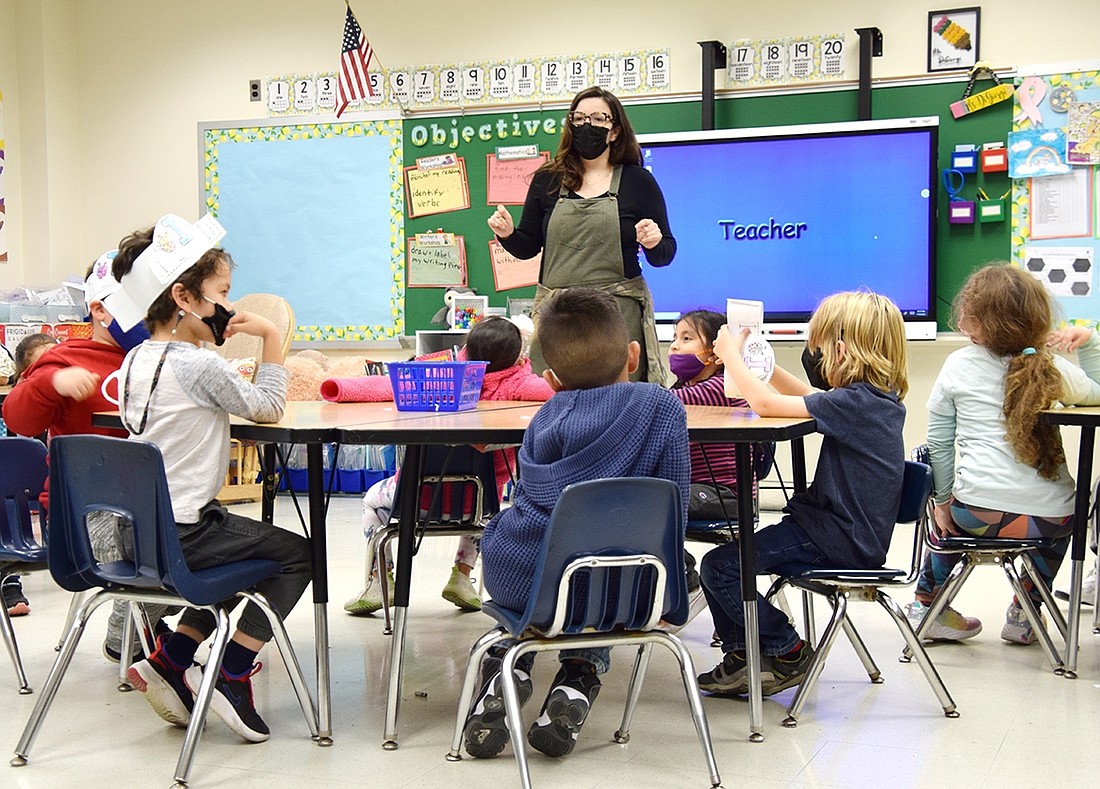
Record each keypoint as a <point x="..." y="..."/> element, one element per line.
<point x="757" y="352"/>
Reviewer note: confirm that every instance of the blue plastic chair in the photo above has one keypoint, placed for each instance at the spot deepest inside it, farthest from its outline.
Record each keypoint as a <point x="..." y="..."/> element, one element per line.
<point x="22" y="477"/>
<point x="610" y="569"/>
<point x="838" y="584"/>
<point x="1004" y="551"/>
<point x="90" y="474"/>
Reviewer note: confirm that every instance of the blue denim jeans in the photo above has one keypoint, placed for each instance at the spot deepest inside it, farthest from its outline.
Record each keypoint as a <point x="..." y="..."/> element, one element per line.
<point x="783" y="543"/>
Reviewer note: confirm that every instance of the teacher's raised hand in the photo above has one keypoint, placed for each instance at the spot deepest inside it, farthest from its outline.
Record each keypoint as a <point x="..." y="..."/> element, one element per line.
<point x="501" y="222"/>
<point x="648" y="232"/>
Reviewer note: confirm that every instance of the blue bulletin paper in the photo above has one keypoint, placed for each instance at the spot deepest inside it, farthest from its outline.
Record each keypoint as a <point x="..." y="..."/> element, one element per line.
<point x="308" y="216"/>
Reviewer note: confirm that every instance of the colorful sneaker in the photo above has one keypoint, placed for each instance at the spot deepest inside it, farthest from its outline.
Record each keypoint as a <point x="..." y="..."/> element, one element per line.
<point x="567" y="704"/>
<point x="731" y="676"/>
<point x="14" y="600"/>
<point x="486" y="732"/>
<point x="460" y="591"/>
<point x="232" y="702"/>
<point x="950" y="625"/>
<point x="370" y="599"/>
<point x="1017" y="629"/>
<point x="788" y="671"/>
<point x="162" y="684"/>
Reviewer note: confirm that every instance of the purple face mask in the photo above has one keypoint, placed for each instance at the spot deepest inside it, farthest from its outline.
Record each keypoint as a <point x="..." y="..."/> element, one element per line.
<point x="685" y="366"/>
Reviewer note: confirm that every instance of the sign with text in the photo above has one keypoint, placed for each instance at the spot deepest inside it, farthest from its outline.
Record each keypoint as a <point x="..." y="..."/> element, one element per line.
<point x="507" y="180"/>
<point x="436" y="260"/>
<point x="436" y="190"/>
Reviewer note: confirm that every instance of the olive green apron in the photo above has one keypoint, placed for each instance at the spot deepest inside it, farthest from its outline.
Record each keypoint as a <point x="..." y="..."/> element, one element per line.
<point x="583" y="248"/>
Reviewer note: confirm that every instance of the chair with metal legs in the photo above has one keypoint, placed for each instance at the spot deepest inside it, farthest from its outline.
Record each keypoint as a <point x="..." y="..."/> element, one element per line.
<point x="458" y="496"/>
<point x="610" y="569"/>
<point x="91" y="474"/>
<point x="840" y="586"/>
<point x="22" y="477"/>
<point x="1005" y="552"/>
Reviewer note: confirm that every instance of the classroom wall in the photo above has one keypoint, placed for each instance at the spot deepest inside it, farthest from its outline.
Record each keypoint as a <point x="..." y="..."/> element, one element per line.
<point x="102" y="97"/>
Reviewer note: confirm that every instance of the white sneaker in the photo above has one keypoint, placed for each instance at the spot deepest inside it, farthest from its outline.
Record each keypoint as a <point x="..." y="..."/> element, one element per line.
<point x="950" y="625"/>
<point x="1088" y="588"/>
<point x="460" y="591"/>
<point x="370" y="599"/>
<point x="1017" y="629"/>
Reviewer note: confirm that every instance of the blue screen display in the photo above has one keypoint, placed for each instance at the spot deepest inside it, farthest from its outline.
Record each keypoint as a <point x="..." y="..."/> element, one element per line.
<point x="789" y="220"/>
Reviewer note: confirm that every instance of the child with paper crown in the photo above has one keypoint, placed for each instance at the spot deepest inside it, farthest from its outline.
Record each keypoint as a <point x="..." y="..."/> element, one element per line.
<point x="59" y="394"/>
<point x="179" y="396"/>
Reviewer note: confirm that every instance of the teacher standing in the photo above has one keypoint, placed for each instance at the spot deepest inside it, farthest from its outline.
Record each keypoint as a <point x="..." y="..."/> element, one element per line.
<point x="589" y="210"/>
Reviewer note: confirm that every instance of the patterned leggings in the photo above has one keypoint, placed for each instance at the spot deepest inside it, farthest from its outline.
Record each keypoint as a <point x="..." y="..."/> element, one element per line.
<point x="981" y="522"/>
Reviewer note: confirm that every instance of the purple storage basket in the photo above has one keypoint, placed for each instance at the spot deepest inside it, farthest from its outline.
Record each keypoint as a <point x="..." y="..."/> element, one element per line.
<point x="436" y="386"/>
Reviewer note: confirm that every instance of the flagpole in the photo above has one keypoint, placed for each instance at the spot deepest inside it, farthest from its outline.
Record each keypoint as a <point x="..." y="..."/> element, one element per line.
<point x="404" y="109"/>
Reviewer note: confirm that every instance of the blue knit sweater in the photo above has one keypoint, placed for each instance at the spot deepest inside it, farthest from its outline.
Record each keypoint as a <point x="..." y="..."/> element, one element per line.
<point x="621" y="430"/>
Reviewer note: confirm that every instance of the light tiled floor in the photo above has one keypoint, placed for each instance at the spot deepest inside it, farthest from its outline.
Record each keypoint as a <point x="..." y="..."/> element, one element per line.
<point x="1020" y="725"/>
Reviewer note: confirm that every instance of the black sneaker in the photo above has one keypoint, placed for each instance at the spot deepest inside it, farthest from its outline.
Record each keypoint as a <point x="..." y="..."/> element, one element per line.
<point x="14" y="600"/>
<point x="566" y="707"/>
<point x="162" y="684"/>
<point x="486" y="731"/>
<point x="731" y="676"/>
<point x="232" y="702"/>
<point x="788" y="672"/>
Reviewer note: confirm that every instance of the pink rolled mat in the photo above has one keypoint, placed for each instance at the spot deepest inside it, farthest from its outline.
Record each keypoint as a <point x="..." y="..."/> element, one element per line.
<point x="362" y="389"/>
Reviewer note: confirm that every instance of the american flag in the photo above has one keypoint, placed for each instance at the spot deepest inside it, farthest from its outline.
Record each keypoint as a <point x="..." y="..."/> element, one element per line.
<point x="354" y="82"/>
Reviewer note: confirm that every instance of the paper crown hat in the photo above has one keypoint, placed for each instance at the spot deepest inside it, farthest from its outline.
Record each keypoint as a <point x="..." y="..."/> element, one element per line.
<point x="101" y="283"/>
<point x="177" y="245"/>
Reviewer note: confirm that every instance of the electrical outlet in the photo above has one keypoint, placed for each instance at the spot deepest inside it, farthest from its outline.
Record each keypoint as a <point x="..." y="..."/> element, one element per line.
<point x="254" y="90"/>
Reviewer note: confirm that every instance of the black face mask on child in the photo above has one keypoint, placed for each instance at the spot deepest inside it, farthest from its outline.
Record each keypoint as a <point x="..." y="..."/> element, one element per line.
<point x="813" y="363"/>
<point x="218" y="321"/>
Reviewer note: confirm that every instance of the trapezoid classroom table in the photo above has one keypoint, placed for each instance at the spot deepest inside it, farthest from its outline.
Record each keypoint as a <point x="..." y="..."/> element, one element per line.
<point x="506" y="424"/>
<point x="1087" y="418"/>
<point x="495" y="422"/>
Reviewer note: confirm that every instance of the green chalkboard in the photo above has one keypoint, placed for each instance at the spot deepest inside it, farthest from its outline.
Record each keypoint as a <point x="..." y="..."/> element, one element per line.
<point x="959" y="249"/>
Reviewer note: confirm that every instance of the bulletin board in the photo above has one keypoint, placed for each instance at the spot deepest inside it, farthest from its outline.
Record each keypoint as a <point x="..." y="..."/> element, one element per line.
<point x="314" y="213"/>
<point x="1055" y="228"/>
<point x="960" y="248"/>
<point x="300" y="226"/>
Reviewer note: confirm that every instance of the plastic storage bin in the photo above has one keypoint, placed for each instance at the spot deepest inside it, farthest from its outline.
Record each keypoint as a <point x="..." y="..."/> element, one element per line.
<point x="436" y="386"/>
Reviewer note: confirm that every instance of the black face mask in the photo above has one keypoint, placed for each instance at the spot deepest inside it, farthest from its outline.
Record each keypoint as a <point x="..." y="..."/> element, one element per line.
<point x="589" y="141"/>
<point x="812" y="363"/>
<point x="218" y="321"/>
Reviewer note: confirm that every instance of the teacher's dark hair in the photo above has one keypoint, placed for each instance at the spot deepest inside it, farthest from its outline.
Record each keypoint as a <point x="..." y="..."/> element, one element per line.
<point x="567" y="164"/>
<point x="583" y="337"/>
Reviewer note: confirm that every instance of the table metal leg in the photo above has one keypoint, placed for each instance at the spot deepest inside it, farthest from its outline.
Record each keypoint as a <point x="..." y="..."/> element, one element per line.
<point x="319" y="560"/>
<point x="408" y="485"/>
<point x="269" y="482"/>
<point x="1080" y="540"/>
<point x="743" y="456"/>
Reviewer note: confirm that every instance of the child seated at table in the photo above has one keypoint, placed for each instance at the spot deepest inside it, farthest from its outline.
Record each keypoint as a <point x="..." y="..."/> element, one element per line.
<point x="501" y="343"/>
<point x="699" y="381"/>
<point x="856" y="353"/>
<point x="30" y="350"/>
<point x="179" y="396"/>
<point x="59" y="395"/>
<point x="597" y="425"/>
<point x="1010" y="479"/>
